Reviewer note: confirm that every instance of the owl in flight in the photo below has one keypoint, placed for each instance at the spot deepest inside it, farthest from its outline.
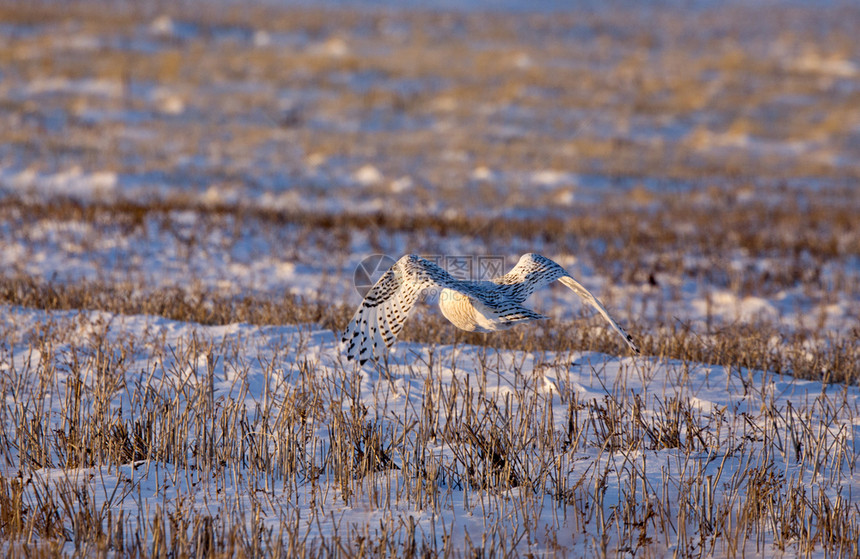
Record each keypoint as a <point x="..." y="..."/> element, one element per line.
<point x="474" y="306"/>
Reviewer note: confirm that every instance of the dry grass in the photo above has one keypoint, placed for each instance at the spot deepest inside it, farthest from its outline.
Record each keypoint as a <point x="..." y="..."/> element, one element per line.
<point x="201" y="306"/>
<point x="697" y="237"/>
<point x="314" y="436"/>
<point x="761" y="347"/>
<point x="721" y="150"/>
<point x="627" y="97"/>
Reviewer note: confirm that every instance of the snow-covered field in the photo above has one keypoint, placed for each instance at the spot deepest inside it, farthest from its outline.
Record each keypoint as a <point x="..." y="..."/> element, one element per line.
<point x="125" y="427"/>
<point x="182" y="161"/>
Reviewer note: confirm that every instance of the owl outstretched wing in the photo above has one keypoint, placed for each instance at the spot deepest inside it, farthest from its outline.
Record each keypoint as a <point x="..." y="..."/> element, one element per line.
<point x="534" y="271"/>
<point x="388" y="304"/>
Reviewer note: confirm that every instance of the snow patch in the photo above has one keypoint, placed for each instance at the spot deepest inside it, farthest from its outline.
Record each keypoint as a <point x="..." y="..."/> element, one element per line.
<point x="367" y="175"/>
<point x="831" y="65"/>
<point x="549" y="177"/>
<point x="71" y="183"/>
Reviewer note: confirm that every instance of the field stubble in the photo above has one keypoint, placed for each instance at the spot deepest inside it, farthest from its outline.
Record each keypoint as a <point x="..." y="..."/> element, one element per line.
<point x="287" y="448"/>
<point x="188" y="164"/>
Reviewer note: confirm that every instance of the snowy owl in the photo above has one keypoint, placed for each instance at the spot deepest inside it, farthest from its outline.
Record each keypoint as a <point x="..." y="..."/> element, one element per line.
<point x="474" y="306"/>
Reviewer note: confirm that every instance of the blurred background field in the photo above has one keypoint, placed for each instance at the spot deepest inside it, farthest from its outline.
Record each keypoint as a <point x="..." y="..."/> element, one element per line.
<point x="698" y="167"/>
